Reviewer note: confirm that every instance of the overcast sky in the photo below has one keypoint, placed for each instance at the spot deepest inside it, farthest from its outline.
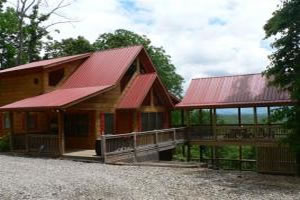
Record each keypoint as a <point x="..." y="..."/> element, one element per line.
<point x="203" y="37"/>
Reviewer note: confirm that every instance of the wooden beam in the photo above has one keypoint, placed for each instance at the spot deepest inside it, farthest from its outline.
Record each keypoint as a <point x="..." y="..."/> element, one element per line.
<point x="26" y="131"/>
<point x="11" y="121"/>
<point x="239" y="116"/>
<point x="214" y="122"/>
<point x="61" y="133"/>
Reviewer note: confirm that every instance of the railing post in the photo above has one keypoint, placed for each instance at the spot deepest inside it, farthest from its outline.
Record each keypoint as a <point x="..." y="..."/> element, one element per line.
<point x="174" y="135"/>
<point x="103" y="148"/>
<point x="134" y="147"/>
<point x="27" y="142"/>
<point x="156" y="138"/>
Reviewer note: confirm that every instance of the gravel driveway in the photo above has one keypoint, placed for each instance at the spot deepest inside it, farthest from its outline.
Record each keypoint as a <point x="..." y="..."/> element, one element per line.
<point x="34" y="178"/>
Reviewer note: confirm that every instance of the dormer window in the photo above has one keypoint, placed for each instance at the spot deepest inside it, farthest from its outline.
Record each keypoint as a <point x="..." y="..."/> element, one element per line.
<point x="128" y="75"/>
<point x="55" y="77"/>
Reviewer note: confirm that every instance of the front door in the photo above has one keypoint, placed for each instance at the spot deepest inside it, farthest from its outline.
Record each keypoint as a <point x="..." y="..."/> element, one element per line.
<point x="124" y="121"/>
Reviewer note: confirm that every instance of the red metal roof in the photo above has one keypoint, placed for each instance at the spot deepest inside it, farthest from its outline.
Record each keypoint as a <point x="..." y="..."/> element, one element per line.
<point x="138" y="91"/>
<point x="57" y="98"/>
<point x="103" y="68"/>
<point x="45" y="63"/>
<point x="232" y="91"/>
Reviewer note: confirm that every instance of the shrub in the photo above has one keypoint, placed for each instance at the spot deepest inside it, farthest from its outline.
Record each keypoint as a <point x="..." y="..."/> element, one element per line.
<point x="4" y="144"/>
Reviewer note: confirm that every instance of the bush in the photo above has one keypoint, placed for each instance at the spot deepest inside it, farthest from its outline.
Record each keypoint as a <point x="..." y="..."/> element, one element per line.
<point x="4" y="144"/>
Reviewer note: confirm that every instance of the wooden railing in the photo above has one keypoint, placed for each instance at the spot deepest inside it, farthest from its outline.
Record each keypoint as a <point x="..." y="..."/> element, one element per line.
<point x="35" y="143"/>
<point x="137" y="141"/>
<point x="229" y="133"/>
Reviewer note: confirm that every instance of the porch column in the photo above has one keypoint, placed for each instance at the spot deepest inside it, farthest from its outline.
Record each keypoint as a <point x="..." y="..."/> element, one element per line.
<point x="61" y="133"/>
<point x="11" y="121"/>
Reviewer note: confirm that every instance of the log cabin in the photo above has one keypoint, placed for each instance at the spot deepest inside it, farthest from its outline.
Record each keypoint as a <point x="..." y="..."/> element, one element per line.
<point x="236" y="111"/>
<point x="68" y="103"/>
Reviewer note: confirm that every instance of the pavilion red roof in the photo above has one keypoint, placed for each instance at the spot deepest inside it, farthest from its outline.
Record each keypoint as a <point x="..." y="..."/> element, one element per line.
<point x="232" y="91"/>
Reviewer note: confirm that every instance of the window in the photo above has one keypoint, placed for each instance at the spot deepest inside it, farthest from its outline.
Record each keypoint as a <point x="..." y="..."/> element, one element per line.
<point x="6" y="121"/>
<point x="77" y="125"/>
<point x="247" y="115"/>
<point x="152" y="121"/>
<point x="32" y="121"/>
<point x="227" y="116"/>
<point x="55" y="77"/>
<point x="36" y="81"/>
<point x="128" y="75"/>
<point x="262" y="115"/>
<point x="109" y="123"/>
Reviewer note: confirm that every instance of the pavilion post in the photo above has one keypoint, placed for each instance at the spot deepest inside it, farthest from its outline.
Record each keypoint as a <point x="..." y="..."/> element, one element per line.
<point x="188" y="133"/>
<point x="255" y="122"/>
<point x="61" y="134"/>
<point x="214" y="123"/>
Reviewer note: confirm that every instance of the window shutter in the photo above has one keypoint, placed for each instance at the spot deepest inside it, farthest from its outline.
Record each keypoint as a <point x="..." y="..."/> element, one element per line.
<point x="1" y="121"/>
<point x="102" y="124"/>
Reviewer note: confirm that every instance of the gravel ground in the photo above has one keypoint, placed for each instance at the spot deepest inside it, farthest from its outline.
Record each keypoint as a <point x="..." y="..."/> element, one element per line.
<point x="34" y="178"/>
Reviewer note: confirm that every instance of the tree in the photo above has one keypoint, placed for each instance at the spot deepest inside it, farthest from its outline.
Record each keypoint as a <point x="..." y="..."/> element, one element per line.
<point x="30" y="35"/>
<point x="284" y="70"/>
<point x="162" y="61"/>
<point x="8" y="34"/>
<point x="68" y="47"/>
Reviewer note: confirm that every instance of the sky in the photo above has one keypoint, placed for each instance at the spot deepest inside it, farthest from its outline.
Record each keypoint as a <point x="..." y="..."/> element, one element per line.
<point x="203" y="37"/>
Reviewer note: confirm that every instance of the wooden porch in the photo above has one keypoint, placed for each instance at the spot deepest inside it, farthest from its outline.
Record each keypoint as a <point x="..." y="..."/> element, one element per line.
<point x="140" y="146"/>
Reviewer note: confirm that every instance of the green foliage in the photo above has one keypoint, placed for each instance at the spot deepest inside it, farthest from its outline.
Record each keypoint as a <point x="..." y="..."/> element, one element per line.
<point x="4" y="144"/>
<point x="8" y="33"/>
<point x="68" y="47"/>
<point x="284" y="69"/>
<point x="162" y="61"/>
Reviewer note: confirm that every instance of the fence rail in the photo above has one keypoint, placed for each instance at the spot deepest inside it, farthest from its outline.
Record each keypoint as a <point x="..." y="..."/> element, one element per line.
<point x="238" y="133"/>
<point x="35" y="143"/>
<point x="139" y="141"/>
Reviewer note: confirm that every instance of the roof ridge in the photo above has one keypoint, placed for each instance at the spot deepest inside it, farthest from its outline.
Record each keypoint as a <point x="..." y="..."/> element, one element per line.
<point x="117" y="48"/>
<point x="226" y="76"/>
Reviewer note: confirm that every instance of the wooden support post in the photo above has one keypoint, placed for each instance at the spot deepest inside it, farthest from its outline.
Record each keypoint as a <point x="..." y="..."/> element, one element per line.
<point x="255" y="122"/>
<point x="200" y="153"/>
<point x="214" y="122"/>
<point x="216" y="156"/>
<point x="26" y="131"/>
<point x="103" y="148"/>
<point x="240" y="157"/>
<point x="239" y="117"/>
<point x="61" y="133"/>
<point x="134" y="147"/>
<point x="269" y="122"/>
<point x="188" y="152"/>
<point x="212" y="157"/>
<point x="174" y="136"/>
<point x="183" y="150"/>
<point x="11" y="121"/>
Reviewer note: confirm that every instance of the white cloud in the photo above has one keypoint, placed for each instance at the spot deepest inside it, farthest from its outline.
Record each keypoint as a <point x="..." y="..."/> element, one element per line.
<point x="204" y="38"/>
